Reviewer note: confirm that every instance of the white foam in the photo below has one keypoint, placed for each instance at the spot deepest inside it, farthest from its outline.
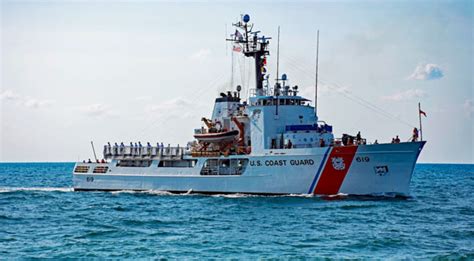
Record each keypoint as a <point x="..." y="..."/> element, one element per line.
<point x="236" y="195"/>
<point x="152" y="192"/>
<point x="159" y="192"/>
<point x="124" y="192"/>
<point x="300" y="195"/>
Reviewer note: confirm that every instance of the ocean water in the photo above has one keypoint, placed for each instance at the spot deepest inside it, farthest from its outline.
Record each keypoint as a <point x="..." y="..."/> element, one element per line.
<point x="41" y="217"/>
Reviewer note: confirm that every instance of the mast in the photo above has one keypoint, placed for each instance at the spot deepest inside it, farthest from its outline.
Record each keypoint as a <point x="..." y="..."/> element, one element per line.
<point x="316" y="76"/>
<point x="278" y="55"/>
<point x="252" y="47"/>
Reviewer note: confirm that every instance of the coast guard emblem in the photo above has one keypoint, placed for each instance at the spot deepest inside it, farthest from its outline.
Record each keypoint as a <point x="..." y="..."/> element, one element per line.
<point x="381" y="170"/>
<point x="338" y="163"/>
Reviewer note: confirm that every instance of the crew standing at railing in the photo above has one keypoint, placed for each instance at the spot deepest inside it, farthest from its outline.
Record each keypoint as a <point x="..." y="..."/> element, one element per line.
<point x="115" y="152"/>
<point x="358" y="138"/>
<point x="148" y="148"/>
<point x="415" y="134"/>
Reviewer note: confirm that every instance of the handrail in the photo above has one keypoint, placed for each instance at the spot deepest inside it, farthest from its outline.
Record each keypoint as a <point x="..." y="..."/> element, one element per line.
<point x="143" y="152"/>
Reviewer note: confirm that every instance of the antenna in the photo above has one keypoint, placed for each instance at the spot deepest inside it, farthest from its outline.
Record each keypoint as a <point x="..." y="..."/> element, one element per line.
<point x="232" y="67"/>
<point x="226" y="45"/>
<point x="316" y="75"/>
<point x="93" y="149"/>
<point x="278" y="55"/>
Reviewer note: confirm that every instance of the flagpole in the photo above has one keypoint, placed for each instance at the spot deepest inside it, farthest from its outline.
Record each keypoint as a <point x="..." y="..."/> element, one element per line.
<point x="419" y="117"/>
<point x="232" y="68"/>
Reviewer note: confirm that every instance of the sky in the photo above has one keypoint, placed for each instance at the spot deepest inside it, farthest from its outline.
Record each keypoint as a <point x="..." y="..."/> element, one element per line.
<point x="79" y="71"/>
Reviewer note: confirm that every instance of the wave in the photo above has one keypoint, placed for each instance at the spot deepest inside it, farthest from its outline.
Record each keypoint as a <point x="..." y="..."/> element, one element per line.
<point x="236" y="195"/>
<point x="221" y="195"/>
<point x="244" y="195"/>
<point x="151" y="192"/>
<point x="46" y="189"/>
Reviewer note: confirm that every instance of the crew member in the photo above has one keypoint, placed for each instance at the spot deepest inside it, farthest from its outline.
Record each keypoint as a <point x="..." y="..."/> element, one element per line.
<point x="397" y="139"/>
<point x="415" y="134"/>
<point x="148" y="148"/>
<point x="122" y="147"/>
<point x="321" y="143"/>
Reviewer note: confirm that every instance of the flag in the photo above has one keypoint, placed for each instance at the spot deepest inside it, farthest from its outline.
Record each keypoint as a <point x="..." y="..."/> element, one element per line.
<point x="237" y="48"/>
<point x="422" y="113"/>
<point x="238" y="35"/>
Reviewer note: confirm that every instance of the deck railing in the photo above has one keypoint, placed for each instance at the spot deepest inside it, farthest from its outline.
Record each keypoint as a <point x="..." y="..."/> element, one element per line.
<point x="112" y="152"/>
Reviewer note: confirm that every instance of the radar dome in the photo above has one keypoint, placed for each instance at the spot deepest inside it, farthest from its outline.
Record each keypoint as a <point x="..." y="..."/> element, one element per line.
<point x="246" y="18"/>
<point x="283" y="77"/>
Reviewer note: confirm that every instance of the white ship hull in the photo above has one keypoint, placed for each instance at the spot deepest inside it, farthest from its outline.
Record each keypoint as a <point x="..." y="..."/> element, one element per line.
<point x="382" y="169"/>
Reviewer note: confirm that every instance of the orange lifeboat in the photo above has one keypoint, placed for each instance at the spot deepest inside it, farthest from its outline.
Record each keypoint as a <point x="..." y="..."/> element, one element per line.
<point x="217" y="137"/>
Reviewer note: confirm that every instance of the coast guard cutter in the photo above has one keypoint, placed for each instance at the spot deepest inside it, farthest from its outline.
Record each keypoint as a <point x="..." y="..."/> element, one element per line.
<point x="271" y="143"/>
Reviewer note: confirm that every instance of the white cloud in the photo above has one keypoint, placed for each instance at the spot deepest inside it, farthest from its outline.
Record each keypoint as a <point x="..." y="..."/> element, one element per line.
<point x="427" y="72"/>
<point x="168" y="106"/>
<point x="323" y="89"/>
<point x="469" y="107"/>
<point x="26" y="101"/>
<point x="8" y="95"/>
<point x="176" y="108"/>
<point x="201" y="54"/>
<point x="96" y="110"/>
<point x="36" y="103"/>
<point x="405" y="95"/>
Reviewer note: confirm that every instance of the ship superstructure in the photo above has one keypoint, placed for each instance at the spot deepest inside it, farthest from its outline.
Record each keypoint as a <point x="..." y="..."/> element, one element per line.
<point x="271" y="143"/>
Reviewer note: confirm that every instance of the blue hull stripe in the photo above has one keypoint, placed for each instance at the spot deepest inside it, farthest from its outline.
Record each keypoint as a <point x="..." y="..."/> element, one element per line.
<point x="311" y="188"/>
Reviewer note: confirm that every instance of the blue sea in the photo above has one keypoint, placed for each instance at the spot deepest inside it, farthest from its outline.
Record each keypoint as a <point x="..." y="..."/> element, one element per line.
<point x="41" y="217"/>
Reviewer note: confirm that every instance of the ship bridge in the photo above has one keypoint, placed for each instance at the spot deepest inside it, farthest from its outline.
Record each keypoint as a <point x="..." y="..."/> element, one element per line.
<point x="279" y="101"/>
<point x="284" y="122"/>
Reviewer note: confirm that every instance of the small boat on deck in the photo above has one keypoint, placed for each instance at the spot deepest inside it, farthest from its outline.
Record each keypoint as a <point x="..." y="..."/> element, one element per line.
<point x="222" y="136"/>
